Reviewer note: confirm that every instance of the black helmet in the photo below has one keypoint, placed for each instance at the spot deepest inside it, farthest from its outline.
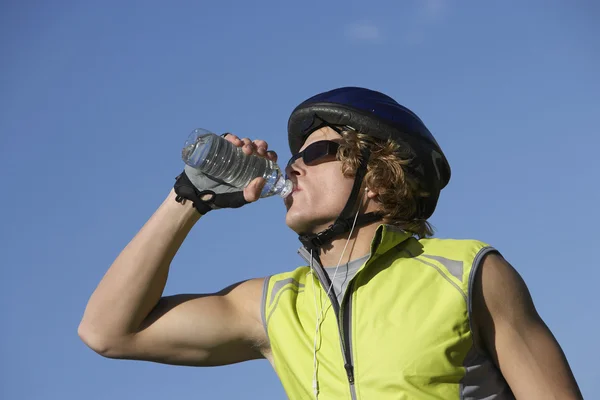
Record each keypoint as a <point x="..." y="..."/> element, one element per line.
<point x="377" y="115"/>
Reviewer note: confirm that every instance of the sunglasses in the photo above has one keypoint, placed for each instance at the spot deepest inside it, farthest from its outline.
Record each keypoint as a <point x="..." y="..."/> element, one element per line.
<point x="315" y="152"/>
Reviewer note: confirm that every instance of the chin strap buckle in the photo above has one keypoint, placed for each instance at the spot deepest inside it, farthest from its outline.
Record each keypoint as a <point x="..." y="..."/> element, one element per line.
<point x="314" y="242"/>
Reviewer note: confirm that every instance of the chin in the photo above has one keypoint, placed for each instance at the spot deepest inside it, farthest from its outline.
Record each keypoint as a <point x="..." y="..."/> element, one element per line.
<point x="303" y="224"/>
<point x="294" y="223"/>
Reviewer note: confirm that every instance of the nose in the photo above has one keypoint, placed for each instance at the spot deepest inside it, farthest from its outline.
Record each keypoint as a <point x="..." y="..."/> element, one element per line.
<point x="293" y="169"/>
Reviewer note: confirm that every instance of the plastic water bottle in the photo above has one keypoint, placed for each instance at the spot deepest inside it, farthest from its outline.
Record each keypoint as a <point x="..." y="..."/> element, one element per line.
<point x="220" y="159"/>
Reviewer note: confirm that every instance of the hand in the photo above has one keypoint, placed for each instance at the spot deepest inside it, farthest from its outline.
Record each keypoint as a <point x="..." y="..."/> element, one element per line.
<point x="208" y="194"/>
<point x="249" y="147"/>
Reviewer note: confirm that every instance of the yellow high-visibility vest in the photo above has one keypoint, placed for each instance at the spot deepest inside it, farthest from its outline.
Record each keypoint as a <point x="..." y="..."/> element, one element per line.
<point x="402" y="331"/>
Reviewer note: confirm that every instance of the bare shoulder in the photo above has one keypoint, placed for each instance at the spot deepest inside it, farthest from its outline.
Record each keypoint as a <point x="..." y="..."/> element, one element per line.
<point x="239" y="304"/>
<point x="245" y="301"/>
<point x="246" y="298"/>
<point x="497" y="283"/>
<point x="512" y="333"/>
<point x="499" y="295"/>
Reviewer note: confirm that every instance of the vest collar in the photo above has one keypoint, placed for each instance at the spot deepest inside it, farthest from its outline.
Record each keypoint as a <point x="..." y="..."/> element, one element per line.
<point x="386" y="237"/>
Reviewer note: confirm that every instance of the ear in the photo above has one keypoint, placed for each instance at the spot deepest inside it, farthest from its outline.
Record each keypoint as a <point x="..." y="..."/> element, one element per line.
<point x="370" y="193"/>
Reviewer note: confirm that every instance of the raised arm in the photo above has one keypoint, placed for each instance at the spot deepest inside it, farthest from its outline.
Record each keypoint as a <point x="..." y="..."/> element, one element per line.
<point x="128" y="317"/>
<point x="516" y="337"/>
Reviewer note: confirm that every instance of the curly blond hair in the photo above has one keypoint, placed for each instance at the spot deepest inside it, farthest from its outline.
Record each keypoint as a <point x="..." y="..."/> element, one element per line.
<point x="397" y="191"/>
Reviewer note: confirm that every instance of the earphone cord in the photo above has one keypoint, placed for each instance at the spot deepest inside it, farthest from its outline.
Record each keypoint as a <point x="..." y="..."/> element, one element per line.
<point x="315" y="383"/>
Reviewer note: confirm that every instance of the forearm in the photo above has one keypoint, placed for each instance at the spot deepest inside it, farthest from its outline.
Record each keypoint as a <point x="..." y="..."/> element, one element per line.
<point x="134" y="283"/>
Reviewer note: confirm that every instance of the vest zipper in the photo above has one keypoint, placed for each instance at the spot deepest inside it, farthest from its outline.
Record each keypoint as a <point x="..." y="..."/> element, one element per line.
<point x="346" y="332"/>
<point x="344" y="325"/>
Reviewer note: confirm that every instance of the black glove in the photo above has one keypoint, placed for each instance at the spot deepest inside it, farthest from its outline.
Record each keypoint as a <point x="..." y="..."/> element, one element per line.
<point x="205" y="193"/>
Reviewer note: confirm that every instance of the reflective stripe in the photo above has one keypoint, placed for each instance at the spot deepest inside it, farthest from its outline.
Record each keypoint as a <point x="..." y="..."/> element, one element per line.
<point x="444" y="275"/>
<point x="482" y="380"/>
<point x="455" y="267"/>
<point x="277" y="286"/>
<point x="263" y="304"/>
<point x="474" y="268"/>
<point x="296" y="289"/>
<point x="476" y="265"/>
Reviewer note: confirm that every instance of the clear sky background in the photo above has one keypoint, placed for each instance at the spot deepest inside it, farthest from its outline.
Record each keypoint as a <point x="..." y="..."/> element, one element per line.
<point x="97" y="99"/>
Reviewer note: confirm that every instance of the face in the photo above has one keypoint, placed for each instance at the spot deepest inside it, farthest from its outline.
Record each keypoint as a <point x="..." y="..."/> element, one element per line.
<point x="320" y="189"/>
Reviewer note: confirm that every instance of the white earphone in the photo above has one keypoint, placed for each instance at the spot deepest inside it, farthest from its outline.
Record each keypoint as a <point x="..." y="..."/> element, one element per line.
<point x="319" y="316"/>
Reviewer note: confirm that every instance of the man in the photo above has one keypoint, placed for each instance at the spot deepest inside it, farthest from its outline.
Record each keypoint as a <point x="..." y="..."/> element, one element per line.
<point x="380" y="311"/>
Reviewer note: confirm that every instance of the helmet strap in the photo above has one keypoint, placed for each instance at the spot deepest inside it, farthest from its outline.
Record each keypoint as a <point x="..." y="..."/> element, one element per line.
<point x="315" y="241"/>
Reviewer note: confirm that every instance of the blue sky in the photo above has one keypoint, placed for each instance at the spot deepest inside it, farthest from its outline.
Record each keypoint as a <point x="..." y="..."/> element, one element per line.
<point x="97" y="98"/>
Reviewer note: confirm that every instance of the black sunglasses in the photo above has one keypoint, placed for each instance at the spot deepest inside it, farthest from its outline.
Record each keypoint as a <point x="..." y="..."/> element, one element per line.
<point x="315" y="152"/>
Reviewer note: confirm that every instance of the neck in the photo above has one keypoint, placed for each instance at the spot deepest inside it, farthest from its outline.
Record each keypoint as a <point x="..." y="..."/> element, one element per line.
<point x="357" y="246"/>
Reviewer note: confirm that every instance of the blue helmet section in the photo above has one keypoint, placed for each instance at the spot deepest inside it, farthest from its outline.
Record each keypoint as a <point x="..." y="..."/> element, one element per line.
<point x="377" y="115"/>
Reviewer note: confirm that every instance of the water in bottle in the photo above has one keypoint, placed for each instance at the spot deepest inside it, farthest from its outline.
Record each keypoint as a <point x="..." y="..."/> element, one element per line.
<point x="220" y="159"/>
